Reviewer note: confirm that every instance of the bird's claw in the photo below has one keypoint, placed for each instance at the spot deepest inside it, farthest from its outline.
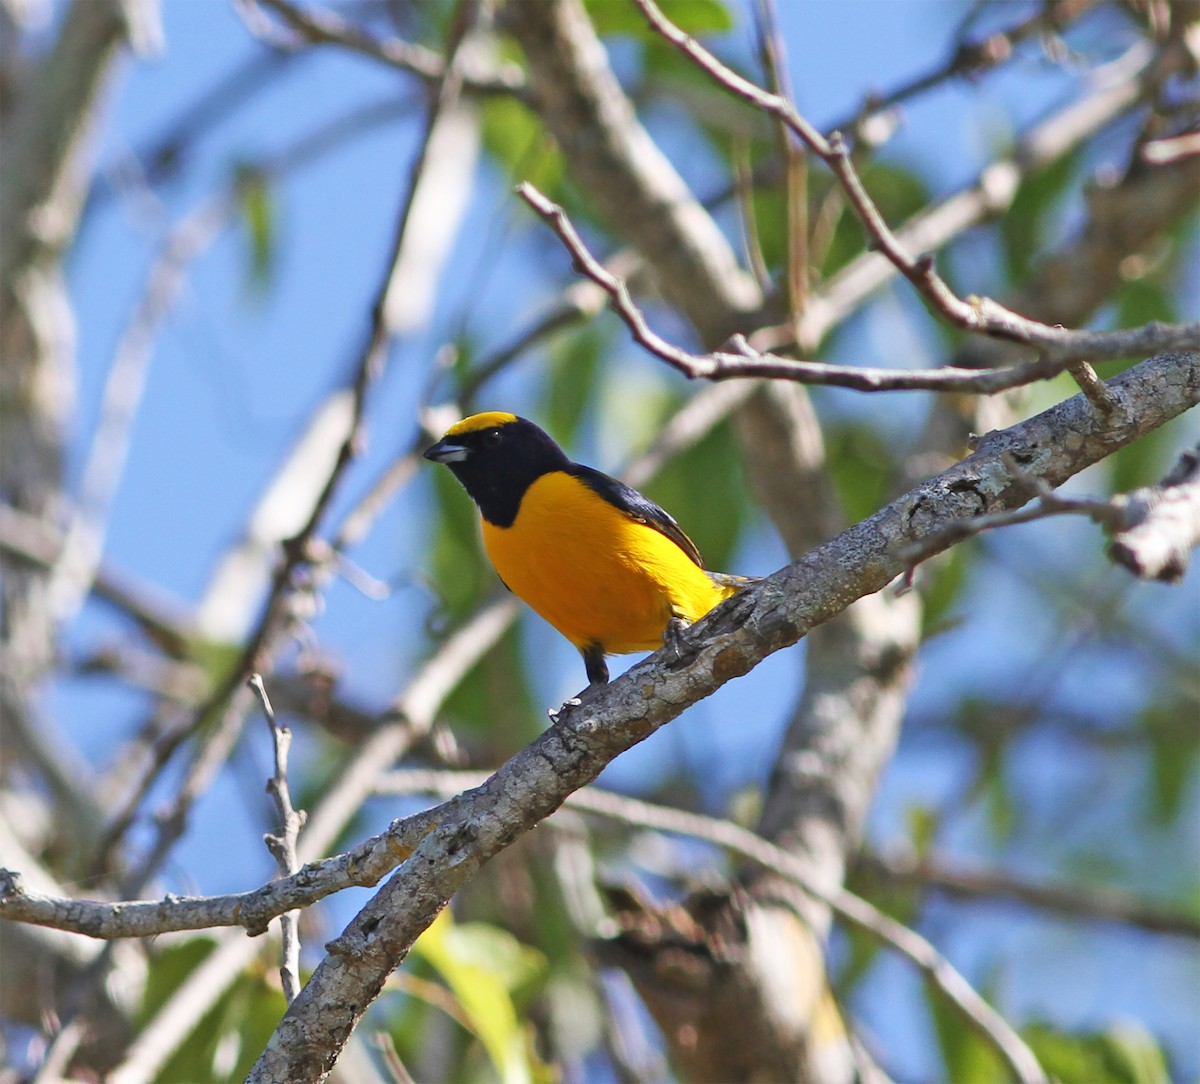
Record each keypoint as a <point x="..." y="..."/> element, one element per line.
<point x="554" y="713"/>
<point x="679" y="649"/>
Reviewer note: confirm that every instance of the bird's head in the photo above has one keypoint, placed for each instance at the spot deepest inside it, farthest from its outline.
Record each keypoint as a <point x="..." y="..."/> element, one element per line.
<point x="497" y="456"/>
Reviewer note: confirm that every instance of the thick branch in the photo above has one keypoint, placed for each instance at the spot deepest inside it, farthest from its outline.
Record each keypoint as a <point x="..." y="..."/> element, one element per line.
<point x="1161" y="524"/>
<point x="762" y="619"/>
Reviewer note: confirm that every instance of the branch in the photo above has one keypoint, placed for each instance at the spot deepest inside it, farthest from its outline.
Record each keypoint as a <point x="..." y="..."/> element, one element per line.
<point x="1102" y="904"/>
<point x="979" y="315"/>
<point x="632" y="185"/>
<point x="1161" y="523"/>
<point x="1154" y="529"/>
<point x="283" y="847"/>
<point x="742" y="842"/>
<point x="970" y="59"/>
<point x="721" y="365"/>
<point x="323" y="27"/>
<point x="760" y="620"/>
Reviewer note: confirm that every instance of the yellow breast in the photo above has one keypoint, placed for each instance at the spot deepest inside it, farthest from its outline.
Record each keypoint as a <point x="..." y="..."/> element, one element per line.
<point x="593" y="573"/>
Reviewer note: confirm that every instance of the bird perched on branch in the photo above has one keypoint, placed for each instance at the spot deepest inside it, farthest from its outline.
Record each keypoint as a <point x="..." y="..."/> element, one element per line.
<point x="600" y="562"/>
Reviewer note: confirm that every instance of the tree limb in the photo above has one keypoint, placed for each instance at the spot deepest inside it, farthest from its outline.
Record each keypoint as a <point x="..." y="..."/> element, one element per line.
<point x="760" y="620"/>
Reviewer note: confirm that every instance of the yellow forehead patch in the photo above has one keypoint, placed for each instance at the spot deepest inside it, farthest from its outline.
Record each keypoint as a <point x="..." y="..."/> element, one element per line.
<point x="489" y="420"/>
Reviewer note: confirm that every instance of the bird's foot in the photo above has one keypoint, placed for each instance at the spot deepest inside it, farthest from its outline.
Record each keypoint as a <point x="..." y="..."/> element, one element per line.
<point x="577" y="699"/>
<point x="680" y="649"/>
<point x="566" y="705"/>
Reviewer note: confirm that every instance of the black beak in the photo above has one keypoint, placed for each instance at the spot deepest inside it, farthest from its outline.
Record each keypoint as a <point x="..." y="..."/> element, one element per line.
<point x="446" y="451"/>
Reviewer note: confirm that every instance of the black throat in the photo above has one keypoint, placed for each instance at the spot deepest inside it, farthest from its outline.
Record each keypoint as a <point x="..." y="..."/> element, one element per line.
<point x="497" y="478"/>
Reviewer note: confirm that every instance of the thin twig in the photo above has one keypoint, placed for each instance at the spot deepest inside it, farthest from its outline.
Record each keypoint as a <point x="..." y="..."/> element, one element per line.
<point x="971" y="58"/>
<point x="721" y="365"/>
<point x="283" y="846"/>
<point x="1096" y="509"/>
<point x="1100" y="904"/>
<point x="298" y="551"/>
<point x="324" y="27"/>
<point x="979" y="315"/>
<point x="1094" y="388"/>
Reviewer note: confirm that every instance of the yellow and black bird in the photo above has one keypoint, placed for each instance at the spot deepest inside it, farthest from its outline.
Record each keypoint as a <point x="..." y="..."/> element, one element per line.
<point x="603" y="564"/>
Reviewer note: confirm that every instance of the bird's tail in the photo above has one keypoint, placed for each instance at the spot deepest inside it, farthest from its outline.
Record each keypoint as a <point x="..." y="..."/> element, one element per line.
<point x="730" y="585"/>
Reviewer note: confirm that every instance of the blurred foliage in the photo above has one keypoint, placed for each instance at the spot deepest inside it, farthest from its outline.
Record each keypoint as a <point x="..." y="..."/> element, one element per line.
<point x="572" y="376"/>
<point x="460" y="575"/>
<point x="692" y="16"/>
<point x="228" y="1039"/>
<point x="706" y="492"/>
<point x="489" y="973"/>
<point x="1126" y="1054"/>
<point x="967" y="1056"/>
<point x="1029" y="220"/>
<point x="514" y="137"/>
<point x="1174" y="756"/>
<point x="256" y="201"/>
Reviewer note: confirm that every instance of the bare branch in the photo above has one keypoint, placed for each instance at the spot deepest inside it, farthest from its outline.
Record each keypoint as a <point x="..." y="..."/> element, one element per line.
<point x="392" y="310"/>
<point x="324" y="27"/>
<point x="1048" y="504"/>
<point x="1100" y="903"/>
<point x="979" y="315"/>
<point x="747" y="362"/>
<point x="1154" y="529"/>
<point x="1161" y="523"/>
<point x="283" y="847"/>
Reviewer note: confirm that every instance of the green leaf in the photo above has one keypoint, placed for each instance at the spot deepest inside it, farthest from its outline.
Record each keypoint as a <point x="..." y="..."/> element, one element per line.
<point x="1023" y="226"/>
<point x="691" y="16"/>
<point x="1126" y="1054"/>
<point x="460" y="572"/>
<point x="1141" y="300"/>
<point x="898" y="193"/>
<point x="1143" y="462"/>
<point x="482" y="966"/>
<point x="256" y="202"/>
<point x="1174" y="757"/>
<point x="923" y="826"/>
<point x="226" y="1041"/>
<point x="516" y="138"/>
<point x="168" y="971"/>
<point x="771" y="220"/>
<point x="705" y="490"/>
<point x="968" y="1059"/>
<point x="1001" y="812"/>
<point x="494" y="700"/>
<point x="860" y="463"/>
<point x="944" y="579"/>
<point x="1135" y="1054"/>
<point x="573" y="372"/>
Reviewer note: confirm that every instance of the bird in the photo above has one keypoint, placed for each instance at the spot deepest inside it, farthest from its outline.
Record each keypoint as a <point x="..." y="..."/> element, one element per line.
<point x="603" y="564"/>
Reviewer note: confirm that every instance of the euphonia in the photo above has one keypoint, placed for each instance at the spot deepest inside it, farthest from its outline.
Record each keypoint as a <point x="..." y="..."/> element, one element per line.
<point x="602" y="563"/>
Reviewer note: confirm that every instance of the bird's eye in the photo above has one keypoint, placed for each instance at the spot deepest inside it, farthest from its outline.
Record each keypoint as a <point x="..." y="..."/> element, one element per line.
<point x="491" y="438"/>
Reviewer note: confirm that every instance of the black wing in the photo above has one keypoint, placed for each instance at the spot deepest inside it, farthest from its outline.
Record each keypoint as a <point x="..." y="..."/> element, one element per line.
<point x="636" y="506"/>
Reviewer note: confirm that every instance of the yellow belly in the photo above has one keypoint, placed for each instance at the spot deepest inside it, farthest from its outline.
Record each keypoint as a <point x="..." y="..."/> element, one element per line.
<point x="594" y="574"/>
